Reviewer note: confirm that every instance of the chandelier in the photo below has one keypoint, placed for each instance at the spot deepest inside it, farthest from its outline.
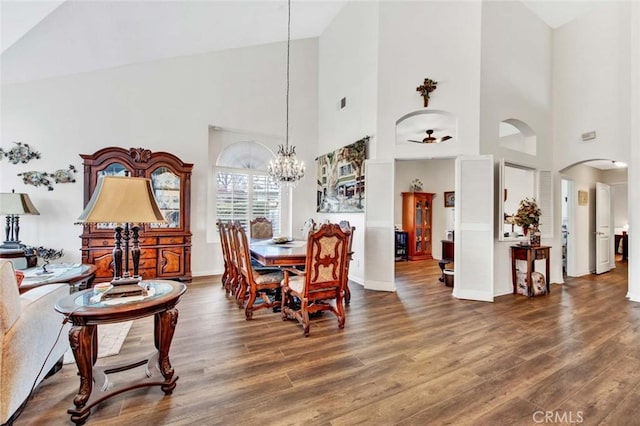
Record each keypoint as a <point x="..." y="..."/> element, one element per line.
<point x="285" y="169"/>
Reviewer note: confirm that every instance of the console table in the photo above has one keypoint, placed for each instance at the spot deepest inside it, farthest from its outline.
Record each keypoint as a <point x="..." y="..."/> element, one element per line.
<point x="529" y="254"/>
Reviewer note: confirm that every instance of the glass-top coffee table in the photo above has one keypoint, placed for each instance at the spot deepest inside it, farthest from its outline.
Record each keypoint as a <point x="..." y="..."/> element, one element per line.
<point x="78" y="276"/>
<point x="86" y="312"/>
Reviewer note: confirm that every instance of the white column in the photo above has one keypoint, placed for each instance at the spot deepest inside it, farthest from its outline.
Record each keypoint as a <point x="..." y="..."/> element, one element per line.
<point x="634" y="163"/>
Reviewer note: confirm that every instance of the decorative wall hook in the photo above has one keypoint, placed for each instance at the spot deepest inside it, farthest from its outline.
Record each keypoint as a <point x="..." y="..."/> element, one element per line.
<point x="426" y="88"/>
<point x="21" y="153"/>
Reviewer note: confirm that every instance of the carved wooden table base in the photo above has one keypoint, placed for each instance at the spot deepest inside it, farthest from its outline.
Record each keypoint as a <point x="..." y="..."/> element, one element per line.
<point x="95" y="386"/>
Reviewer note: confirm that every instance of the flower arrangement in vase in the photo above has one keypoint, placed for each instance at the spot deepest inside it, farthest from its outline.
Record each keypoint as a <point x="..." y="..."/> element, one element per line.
<point x="528" y="217"/>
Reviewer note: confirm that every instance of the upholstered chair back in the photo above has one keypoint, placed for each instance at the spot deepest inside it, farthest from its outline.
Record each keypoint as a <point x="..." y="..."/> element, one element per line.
<point x="261" y="228"/>
<point x="326" y="258"/>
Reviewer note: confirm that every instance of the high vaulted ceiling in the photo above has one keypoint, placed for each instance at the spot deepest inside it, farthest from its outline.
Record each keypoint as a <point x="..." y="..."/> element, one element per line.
<point x="48" y="38"/>
<point x="85" y="35"/>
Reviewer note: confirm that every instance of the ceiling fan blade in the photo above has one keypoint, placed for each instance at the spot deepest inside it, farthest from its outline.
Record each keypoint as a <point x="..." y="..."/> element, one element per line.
<point x="411" y="140"/>
<point x="446" y="138"/>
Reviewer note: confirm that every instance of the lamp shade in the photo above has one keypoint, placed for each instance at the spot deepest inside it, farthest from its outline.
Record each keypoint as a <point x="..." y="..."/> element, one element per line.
<point x="12" y="203"/>
<point x="122" y="199"/>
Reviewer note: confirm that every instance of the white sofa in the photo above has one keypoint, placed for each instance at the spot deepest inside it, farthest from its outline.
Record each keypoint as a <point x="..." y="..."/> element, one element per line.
<point x="29" y="326"/>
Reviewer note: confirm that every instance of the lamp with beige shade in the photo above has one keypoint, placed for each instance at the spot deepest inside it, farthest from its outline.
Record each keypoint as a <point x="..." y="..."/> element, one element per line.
<point x="125" y="201"/>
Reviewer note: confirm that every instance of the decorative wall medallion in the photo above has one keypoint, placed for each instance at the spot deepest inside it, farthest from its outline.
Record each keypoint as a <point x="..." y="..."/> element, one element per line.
<point x="21" y="153"/>
<point x="64" y="176"/>
<point x="36" y="179"/>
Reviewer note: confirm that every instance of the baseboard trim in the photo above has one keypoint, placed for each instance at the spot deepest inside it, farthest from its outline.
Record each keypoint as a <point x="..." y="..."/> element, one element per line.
<point x="480" y="296"/>
<point x="378" y="285"/>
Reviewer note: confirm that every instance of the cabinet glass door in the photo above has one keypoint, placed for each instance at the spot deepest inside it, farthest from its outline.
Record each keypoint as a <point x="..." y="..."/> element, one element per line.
<point x="419" y="230"/>
<point x="427" y="227"/>
<point x="166" y="188"/>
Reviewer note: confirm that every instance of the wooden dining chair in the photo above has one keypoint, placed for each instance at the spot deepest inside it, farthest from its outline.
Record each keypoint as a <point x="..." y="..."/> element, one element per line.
<point x="323" y="279"/>
<point x="264" y="283"/>
<point x="233" y="280"/>
<point x="261" y="228"/>
<point x="224" y="244"/>
<point x="346" y="226"/>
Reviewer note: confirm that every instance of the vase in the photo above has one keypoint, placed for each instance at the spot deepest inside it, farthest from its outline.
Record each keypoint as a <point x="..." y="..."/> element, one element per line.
<point x="534" y="237"/>
<point x="525" y="230"/>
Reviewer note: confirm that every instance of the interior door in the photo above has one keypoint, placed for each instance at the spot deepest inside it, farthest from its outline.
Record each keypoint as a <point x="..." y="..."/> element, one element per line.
<point x="603" y="228"/>
<point x="473" y="272"/>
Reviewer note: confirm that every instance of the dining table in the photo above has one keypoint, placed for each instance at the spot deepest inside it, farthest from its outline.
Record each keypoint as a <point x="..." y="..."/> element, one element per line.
<point x="270" y="253"/>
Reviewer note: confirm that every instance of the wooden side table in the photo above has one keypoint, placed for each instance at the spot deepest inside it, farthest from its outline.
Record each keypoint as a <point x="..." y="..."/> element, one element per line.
<point x="79" y="276"/>
<point x="86" y="314"/>
<point x="529" y="254"/>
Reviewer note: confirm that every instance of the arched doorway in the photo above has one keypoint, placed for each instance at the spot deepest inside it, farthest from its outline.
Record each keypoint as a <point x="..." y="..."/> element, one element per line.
<point x="583" y="239"/>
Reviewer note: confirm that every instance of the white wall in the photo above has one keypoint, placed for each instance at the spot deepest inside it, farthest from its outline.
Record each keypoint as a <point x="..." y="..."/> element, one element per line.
<point x="437" y="176"/>
<point x="438" y="40"/>
<point x="347" y="60"/>
<point x="165" y="105"/>
<point x="418" y="40"/>
<point x="516" y="79"/>
<point x="376" y="54"/>
<point x="634" y="157"/>
<point x="516" y="83"/>
<point x="591" y="92"/>
<point x="591" y="82"/>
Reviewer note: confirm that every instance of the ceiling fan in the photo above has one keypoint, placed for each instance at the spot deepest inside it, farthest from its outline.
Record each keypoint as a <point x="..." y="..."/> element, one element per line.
<point x="431" y="139"/>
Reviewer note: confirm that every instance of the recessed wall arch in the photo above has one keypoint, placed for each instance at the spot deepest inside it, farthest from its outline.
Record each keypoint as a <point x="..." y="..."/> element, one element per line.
<point x="414" y="126"/>
<point x="600" y="163"/>
<point x="517" y="135"/>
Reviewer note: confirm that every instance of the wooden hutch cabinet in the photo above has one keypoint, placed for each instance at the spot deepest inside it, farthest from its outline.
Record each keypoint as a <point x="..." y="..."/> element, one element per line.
<point x="165" y="248"/>
<point x="416" y="220"/>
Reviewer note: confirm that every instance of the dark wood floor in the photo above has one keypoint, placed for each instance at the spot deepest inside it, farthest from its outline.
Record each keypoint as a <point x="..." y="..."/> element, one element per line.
<point x="414" y="357"/>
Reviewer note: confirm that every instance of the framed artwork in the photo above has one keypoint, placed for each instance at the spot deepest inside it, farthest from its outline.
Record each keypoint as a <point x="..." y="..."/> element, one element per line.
<point x="450" y="199"/>
<point x="341" y="179"/>
<point x="583" y="198"/>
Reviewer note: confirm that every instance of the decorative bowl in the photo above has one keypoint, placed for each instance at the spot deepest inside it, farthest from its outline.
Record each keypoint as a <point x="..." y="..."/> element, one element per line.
<point x="280" y="240"/>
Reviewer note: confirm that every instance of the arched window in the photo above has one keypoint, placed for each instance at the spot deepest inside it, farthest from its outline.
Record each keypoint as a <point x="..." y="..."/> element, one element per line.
<point x="243" y="186"/>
